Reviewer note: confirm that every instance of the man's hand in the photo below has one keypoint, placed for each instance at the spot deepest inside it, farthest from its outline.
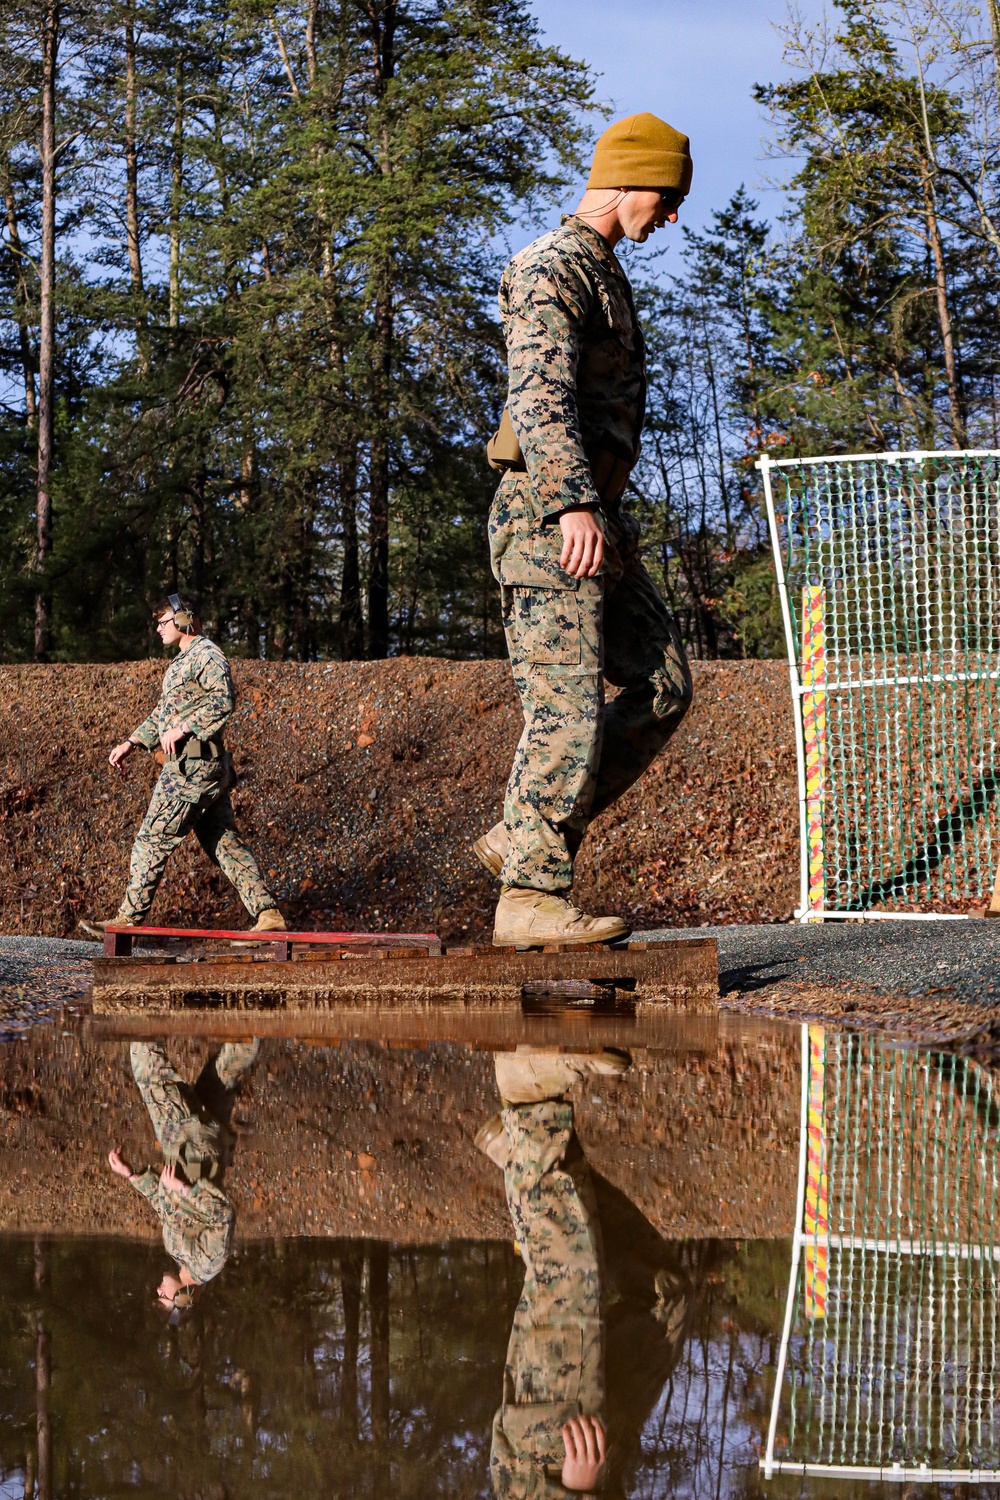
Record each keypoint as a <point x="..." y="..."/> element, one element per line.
<point x="583" y="543"/>
<point x="119" y="1165"/>
<point x="586" y="1453"/>
<point x="173" y="1183"/>
<point x="170" y="739"/>
<point x="121" y="753"/>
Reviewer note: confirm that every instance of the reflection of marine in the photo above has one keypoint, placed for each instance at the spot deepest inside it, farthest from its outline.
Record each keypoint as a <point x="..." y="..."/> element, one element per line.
<point x="193" y="1130"/>
<point x="580" y="1238"/>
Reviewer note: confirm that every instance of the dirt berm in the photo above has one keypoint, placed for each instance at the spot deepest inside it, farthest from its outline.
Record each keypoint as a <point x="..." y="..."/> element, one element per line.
<point x="362" y="785"/>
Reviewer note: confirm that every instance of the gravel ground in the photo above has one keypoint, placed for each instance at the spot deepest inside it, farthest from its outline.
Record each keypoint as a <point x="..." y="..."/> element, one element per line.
<point x="901" y="958"/>
<point x="921" y="978"/>
<point x="38" y="976"/>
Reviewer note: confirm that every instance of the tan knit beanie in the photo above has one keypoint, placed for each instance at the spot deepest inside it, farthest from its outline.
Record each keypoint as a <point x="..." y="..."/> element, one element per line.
<point x="641" y="151"/>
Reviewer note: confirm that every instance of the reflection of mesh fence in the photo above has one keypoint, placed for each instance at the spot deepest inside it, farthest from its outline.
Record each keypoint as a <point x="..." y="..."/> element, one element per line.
<point x="889" y="571"/>
<point x="891" y="1334"/>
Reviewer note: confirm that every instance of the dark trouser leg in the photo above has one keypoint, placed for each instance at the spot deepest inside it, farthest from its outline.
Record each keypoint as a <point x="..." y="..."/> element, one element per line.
<point x="643" y="655"/>
<point x="218" y="1080"/>
<point x="215" y="830"/>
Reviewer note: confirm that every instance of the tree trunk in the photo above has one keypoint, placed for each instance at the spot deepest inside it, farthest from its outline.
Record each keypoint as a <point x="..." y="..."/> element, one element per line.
<point x="351" y="1269"/>
<point x="994" y="10"/>
<point x="28" y="1491"/>
<point x="378" y="505"/>
<point x="311" y="62"/>
<point x="352" y="623"/>
<point x="383" y="17"/>
<point x="21" y="300"/>
<point x="955" y="403"/>
<point x="176" y="197"/>
<point x="47" y="331"/>
<point x="198" y="490"/>
<point x="43" y="1377"/>
<point x="378" y="1299"/>
<point x="132" y="190"/>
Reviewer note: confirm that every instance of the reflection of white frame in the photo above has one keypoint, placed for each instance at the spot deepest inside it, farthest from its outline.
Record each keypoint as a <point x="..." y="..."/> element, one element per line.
<point x="893" y="1246"/>
<point x="765" y="464"/>
<point x="768" y="1462"/>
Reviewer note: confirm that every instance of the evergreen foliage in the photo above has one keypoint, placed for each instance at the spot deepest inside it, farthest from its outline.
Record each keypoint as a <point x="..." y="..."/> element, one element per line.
<point x="275" y="355"/>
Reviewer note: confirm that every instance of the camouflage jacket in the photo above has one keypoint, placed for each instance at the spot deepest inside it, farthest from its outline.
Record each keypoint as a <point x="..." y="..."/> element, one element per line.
<point x="197" y="1225"/>
<point x="576" y="362"/>
<point x="197" y="691"/>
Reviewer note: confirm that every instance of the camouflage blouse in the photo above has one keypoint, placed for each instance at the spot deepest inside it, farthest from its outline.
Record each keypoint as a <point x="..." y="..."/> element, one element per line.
<point x="576" y="362"/>
<point x="197" y="691"/>
<point x="197" y="1225"/>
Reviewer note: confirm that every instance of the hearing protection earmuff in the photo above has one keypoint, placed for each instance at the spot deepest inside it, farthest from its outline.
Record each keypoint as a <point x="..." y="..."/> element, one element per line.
<point x="183" y="619"/>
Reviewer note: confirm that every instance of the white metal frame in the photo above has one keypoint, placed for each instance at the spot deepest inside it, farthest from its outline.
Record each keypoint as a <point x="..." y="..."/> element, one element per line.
<point x="765" y="464"/>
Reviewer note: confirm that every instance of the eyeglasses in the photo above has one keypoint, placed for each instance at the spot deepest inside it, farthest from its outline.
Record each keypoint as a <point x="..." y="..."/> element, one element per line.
<point x="671" y="199"/>
<point x="160" y="624"/>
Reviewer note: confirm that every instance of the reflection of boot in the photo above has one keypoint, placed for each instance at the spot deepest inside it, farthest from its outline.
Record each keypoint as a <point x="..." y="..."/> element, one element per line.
<point x="529" y="918"/>
<point x="530" y="1075"/>
<point x="491" y="1140"/>
<point x="491" y="849"/>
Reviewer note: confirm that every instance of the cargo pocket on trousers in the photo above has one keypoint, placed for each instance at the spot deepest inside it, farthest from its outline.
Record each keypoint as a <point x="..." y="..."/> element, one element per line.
<point x="549" y="1365"/>
<point x="171" y="819"/>
<point x="544" y="625"/>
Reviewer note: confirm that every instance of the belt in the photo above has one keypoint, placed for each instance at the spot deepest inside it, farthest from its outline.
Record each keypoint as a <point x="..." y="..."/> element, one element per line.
<point x="609" y="470"/>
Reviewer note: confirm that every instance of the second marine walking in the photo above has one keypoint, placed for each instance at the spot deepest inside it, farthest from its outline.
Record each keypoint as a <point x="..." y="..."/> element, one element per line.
<point x="192" y="794"/>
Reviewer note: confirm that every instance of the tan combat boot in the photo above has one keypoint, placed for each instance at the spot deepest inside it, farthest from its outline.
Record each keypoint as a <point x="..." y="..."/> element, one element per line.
<point x="270" y="920"/>
<point x="533" y="1074"/>
<point x="526" y="919"/>
<point x="98" y="928"/>
<point x="491" y="849"/>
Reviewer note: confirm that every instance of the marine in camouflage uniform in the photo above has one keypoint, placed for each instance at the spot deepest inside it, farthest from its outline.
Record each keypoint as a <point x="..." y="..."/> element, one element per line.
<point x="577" y="394"/>
<point x="555" y="1357"/>
<point x="191" y="1124"/>
<point x="192" y="793"/>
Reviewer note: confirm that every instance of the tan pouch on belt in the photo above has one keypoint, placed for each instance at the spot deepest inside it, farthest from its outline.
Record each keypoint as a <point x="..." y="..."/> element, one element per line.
<point x="610" y="473"/>
<point x="503" y="451"/>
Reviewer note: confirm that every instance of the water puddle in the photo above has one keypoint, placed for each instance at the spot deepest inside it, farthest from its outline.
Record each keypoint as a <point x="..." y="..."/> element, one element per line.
<point x="743" y="1258"/>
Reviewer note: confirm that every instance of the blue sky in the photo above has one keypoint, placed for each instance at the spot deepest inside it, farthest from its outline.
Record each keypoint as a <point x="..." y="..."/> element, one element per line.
<point x="694" y="64"/>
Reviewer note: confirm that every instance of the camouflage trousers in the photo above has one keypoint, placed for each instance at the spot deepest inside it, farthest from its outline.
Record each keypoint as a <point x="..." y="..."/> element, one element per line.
<point x="191" y="797"/>
<point x="577" y="753"/>
<point x="555" y="1364"/>
<point x="191" y="1121"/>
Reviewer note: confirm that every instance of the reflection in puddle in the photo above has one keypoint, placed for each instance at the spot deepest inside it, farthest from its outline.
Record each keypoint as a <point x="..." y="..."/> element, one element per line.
<point x="890" y="1337"/>
<point x="192" y="1125"/>
<point x="366" y="1325"/>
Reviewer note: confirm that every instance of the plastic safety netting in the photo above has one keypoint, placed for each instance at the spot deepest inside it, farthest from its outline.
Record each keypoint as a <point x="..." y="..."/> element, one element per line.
<point x="889" y="570"/>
